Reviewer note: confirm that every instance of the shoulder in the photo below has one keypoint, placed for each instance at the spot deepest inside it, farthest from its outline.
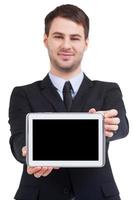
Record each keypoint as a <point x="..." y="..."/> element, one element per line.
<point x="27" y="87"/>
<point x="105" y="84"/>
<point x="110" y="89"/>
<point x="107" y="87"/>
<point x="102" y="87"/>
<point x="34" y="86"/>
<point x="21" y="92"/>
<point x="99" y="83"/>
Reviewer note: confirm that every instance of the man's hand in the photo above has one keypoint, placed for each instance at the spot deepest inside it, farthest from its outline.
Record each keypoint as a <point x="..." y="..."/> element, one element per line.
<point x="111" y="121"/>
<point x="37" y="171"/>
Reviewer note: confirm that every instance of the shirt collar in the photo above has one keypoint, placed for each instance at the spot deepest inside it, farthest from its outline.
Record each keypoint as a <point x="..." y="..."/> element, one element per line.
<point x="59" y="82"/>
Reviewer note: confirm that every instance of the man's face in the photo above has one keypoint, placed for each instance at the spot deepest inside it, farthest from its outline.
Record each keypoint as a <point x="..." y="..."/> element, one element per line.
<point x="66" y="44"/>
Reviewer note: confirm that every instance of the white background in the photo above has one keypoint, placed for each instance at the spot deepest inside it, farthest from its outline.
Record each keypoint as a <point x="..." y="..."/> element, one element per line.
<point x="23" y="59"/>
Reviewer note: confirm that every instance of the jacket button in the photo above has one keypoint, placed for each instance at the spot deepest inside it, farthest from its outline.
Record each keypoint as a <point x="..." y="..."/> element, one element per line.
<point x="66" y="190"/>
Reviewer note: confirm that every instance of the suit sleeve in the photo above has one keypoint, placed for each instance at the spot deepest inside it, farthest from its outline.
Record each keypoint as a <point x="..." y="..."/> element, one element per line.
<point x="113" y="100"/>
<point x="18" y="109"/>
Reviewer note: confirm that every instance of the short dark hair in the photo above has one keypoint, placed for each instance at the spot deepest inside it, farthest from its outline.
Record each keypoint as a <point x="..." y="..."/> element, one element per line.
<point x="71" y="12"/>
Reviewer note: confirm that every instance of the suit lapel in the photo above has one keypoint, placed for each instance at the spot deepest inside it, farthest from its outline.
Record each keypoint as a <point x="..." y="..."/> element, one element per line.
<point x="51" y="94"/>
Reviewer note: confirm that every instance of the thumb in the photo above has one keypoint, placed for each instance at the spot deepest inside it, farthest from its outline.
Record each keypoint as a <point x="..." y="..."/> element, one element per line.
<point x="92" y="110"/>
<point x="24" y="151"/>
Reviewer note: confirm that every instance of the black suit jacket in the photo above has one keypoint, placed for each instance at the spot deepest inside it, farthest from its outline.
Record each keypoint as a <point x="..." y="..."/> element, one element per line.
<point x="85" y="183"/>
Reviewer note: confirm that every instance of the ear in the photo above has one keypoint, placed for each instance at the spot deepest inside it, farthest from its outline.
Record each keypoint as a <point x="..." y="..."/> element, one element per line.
<point x="45" y="40"/>
<point x="86" y="43"/>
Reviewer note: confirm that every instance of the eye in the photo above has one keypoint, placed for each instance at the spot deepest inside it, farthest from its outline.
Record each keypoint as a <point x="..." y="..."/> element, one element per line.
<point x="58" y="37"/>
<point x="75" y="39"/>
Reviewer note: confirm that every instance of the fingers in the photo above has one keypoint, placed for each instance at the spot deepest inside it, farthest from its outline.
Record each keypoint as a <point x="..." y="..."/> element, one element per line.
<point x="43" y="172"/>
<point x="111" y="124"/>
<point x="110" y="127"/>
<point x="48" y="171"/>
<point x="113" y="120"/>
<point x="110" y="113"/>
<point x="32" y="170"/>
<point x="92" y="110"/>
<point x="109" y="130"/>
<point x="24" y="151"/>
<point x="107" y="113"/>
<point x="109" y="133"/>
<point x="40" y="171"/>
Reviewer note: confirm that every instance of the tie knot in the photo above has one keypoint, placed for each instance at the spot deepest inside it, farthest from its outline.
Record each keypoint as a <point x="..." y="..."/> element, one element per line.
<point x="67" y="87"/>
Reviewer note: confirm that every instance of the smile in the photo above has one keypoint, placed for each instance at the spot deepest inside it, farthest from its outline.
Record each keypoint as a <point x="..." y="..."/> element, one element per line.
<point x="66" y="55"/>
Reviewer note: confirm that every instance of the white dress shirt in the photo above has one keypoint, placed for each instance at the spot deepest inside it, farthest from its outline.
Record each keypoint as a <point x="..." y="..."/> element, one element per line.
<point x="59" y="83"/>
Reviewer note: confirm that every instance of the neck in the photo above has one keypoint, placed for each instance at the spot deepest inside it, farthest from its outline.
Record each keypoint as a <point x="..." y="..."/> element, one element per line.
<point x="65" y="75"/>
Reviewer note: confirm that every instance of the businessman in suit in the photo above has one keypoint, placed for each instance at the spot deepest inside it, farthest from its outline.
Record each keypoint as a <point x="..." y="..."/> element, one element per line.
<point x="66" y="39"/>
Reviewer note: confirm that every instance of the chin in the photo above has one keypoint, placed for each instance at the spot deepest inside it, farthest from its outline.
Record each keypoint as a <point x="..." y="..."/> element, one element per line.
<point x="67" y="69"/>
<point x="65" y="66"/>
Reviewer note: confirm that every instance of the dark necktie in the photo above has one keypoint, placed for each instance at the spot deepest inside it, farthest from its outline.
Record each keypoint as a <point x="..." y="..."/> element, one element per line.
<point x="67" y="95"/>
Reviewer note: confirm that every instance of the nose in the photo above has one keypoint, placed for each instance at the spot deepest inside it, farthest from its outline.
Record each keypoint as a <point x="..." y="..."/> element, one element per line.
<point x="66" y="43"/>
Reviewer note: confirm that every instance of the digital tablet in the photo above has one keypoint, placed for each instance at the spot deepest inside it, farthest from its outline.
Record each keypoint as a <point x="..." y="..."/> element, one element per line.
<point x="65" y="139"/>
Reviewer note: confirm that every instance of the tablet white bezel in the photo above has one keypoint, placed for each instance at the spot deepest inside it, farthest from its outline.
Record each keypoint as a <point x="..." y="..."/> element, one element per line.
<point x="29" y="138"/>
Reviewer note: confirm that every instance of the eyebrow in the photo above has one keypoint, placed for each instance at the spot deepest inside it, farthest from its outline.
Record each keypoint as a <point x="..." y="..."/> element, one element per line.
<point x="72" y="35"/>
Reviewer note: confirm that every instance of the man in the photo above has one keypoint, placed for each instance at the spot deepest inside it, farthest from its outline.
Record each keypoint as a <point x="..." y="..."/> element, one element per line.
<point x="66" y="39"/>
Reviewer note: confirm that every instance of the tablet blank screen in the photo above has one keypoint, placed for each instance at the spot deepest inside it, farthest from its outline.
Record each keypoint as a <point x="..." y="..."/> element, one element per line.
<point x="65" y="139"/>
